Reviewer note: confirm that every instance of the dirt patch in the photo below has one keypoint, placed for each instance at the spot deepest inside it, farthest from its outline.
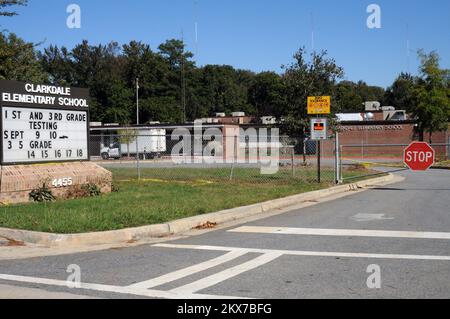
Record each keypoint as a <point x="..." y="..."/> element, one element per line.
<point x="356" y="167"/>
<point x="9" y="242"/>
<point x="207" y="225"/>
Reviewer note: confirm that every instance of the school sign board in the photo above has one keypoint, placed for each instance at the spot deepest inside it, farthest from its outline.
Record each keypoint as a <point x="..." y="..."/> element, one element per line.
<point x="43" y="123"/>
<point x="45" y="136"/>
<point x="319" y="105"/>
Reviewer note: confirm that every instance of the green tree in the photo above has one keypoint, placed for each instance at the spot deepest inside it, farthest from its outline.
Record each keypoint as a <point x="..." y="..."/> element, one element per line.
<point x="223" y="89"/>
<point x="266" y="94"/>
<point x="8" y="3"/>
<point x="347" y="97"/>
<point x="180" y="67"/>
<point x="100" y="68"/>
<point x="432" y="96"/>
<point x="57" y="62"/>
<point x="401" y="93"/>
<point x="303" y="78"/>
<point x="127" y="137"/>
<point x="164" y="109"/>
<point x="370" y="93"/>
<point x="18" y="60"/>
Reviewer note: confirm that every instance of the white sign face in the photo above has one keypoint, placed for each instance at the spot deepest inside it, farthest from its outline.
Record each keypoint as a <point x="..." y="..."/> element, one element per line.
<point x="319" y="129"/>
<point x="44" y="135"/>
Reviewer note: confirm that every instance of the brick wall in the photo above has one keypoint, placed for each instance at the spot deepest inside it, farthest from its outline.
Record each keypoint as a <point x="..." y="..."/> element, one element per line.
<point x="16" y="182"/>
<point x="385" y="133"/>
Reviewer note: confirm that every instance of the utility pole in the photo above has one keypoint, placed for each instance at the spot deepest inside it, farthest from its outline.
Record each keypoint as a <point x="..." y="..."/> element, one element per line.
<point x="183" y="81"/>
<point x="196" y="28"/>
<point x="312" y="31"/>
<point x="408" y="50"/>
<point x="137" y="101"/>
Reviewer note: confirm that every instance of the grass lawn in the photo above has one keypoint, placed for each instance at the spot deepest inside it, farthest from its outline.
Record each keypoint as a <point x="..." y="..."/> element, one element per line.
<point x="162" y="195"/>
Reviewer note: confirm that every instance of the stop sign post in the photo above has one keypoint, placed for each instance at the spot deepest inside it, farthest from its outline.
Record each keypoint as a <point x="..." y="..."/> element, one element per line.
<point x="419" y="156"/>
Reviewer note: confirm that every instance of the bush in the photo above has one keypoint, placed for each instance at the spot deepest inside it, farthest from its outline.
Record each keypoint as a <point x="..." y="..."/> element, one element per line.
<point x="115" y="188"/>
<point x="91" y="190"/>
<point x="42" y="194"/>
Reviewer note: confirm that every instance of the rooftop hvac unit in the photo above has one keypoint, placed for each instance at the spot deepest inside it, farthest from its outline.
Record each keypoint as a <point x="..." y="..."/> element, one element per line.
<point x="238" y="114"/>
<point x="268" y="120"/>
<point x="372" y="106"/>
<point x="220" y="115"/>
<point x="388" y="108"/>
<point x="395" y="115"/>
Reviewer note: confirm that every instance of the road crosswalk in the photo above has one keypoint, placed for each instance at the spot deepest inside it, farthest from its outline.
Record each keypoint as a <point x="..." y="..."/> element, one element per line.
<point x="193" y="289"/>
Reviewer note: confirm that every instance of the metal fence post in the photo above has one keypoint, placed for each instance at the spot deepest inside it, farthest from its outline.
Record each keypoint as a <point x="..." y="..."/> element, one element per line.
<point x="234" y="157"/>
<point x="341" y="174"/>
<point x="336" y="159"/>
<point x="318" y="161"/>
<point x="293" y="160"/>
<point x="138" y="165"/>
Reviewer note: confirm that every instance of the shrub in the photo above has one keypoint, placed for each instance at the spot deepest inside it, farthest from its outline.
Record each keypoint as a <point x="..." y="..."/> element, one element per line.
<point x="115" y="188"/>
<point x="42" y="194"/>
<point x="92" y="190"/>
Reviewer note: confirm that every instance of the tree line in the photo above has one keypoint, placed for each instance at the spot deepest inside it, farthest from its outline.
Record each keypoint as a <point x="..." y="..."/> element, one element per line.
<point x="173" y="89"/>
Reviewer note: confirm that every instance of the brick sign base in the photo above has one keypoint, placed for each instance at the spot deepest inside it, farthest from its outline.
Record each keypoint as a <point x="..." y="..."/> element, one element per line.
<point x="16" y="182"/>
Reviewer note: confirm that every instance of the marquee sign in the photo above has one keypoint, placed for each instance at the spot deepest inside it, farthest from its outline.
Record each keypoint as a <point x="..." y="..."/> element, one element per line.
<point x="42" y="123"/>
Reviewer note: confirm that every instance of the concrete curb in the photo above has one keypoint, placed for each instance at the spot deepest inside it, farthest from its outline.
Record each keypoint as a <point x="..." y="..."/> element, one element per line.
<point x="181" y="225"/>
<point x="440" y="167"/>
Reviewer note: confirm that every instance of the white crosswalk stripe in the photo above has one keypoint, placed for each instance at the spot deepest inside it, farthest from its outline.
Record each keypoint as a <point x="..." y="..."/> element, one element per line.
<point x="188" y="270"/>
<point x="340" y="232"/>
<point x="226" y="274"/>
<point x="309" y="253"/>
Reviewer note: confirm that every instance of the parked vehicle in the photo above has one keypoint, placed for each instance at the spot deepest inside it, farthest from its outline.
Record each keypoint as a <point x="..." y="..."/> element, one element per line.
<point x="147" y="144"/>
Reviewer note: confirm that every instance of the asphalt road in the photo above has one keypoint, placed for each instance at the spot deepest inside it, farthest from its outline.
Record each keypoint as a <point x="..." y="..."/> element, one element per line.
<point x="400" y="233"/>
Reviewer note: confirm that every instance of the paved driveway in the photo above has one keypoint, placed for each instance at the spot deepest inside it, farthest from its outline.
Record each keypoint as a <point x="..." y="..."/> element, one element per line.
<point x="395" y="238"/>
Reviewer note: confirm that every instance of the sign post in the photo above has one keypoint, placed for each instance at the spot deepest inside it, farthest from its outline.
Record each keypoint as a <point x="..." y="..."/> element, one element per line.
<point x="419" y="156"/>
<point x="319" y="105"/>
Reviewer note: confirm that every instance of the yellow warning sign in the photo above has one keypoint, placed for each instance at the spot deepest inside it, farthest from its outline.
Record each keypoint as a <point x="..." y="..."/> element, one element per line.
<point x="319" y="105"/>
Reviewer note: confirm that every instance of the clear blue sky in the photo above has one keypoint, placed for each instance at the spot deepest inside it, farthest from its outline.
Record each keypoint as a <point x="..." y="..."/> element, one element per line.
<point x="258" y="35"/>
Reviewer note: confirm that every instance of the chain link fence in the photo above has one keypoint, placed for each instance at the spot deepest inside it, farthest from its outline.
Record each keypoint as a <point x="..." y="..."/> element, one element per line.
<point x="232" y="158"/>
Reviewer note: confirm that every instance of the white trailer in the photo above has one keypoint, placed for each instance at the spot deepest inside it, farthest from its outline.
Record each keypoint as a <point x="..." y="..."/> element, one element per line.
<point x="147" y="143"/>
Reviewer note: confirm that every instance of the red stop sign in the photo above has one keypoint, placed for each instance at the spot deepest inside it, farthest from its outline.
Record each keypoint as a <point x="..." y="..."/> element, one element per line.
<point x="419" y="156"/>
